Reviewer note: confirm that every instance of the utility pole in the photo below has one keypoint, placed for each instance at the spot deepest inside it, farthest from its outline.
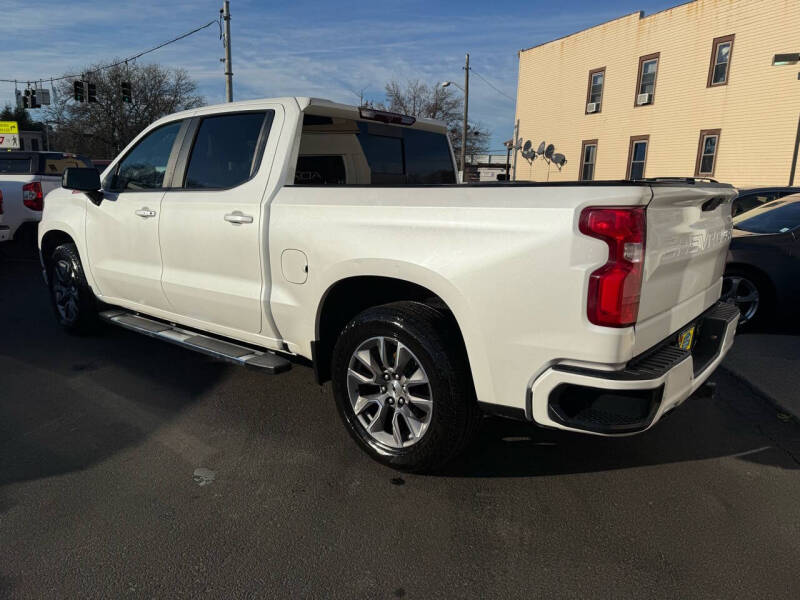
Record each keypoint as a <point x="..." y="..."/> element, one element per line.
<point x="464" y="130"/>
<point x="226" y="16"/>
<point x="515" y="140"/>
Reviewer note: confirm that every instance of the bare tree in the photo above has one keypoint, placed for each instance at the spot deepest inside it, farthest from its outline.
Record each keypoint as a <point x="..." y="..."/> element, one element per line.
<point x="101" y="129"/>
<point x="419" y="99"/>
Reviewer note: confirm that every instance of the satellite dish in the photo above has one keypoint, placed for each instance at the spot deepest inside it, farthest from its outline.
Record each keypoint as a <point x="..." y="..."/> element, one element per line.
<point x="527" y="146"/>
<point x="559" y="159"/>
<point x="540" y="150"/>
<point x="548" y="152"/>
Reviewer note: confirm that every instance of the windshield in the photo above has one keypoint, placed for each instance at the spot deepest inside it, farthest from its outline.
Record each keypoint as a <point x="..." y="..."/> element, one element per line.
<point x="778" y="216"/>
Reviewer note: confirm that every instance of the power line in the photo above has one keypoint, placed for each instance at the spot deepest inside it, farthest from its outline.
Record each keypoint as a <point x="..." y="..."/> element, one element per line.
<point x="494" y="87"/>
<point x="120" y="62"/>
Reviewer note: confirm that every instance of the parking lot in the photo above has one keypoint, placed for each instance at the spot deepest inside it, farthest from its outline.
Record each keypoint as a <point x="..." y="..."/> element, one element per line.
<point x="132" y="468"/>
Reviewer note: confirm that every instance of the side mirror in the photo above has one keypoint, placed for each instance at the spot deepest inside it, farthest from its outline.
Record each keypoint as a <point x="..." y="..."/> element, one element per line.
<point x="83" y="179"/>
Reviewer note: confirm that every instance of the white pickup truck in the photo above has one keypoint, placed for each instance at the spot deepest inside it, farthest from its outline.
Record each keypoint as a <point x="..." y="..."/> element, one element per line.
<point x="25" y="179"/>
<point x="267" y="232"/>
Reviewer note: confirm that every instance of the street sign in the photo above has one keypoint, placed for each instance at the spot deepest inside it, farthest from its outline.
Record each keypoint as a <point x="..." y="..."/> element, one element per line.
<point x="9" y="135"/>
<point x="9" y="127"/>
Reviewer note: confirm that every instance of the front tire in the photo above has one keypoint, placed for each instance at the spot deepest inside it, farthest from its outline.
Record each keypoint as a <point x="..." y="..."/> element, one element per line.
<point x="73" y="301"/>
<point x="403" y="386"/>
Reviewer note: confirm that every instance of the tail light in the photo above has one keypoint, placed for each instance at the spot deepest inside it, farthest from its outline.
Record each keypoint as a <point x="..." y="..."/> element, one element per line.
<point x="32" y="196"/>
<point x="615" y="288"/>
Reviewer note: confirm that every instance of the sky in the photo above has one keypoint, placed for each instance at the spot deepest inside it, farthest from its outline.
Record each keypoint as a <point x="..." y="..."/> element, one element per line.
<point x="318" y="48"/>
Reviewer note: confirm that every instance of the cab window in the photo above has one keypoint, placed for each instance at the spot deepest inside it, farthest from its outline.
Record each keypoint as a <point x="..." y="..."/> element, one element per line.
<point x="225" y="150"/>
<point x="145" y="165"/>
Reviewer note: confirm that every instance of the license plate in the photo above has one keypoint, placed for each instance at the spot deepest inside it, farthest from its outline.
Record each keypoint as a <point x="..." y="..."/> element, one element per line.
<point x="686" y="338"/>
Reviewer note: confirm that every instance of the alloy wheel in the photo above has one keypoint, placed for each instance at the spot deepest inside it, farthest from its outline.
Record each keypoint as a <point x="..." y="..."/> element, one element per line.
<point x="65" y="290"/>
<point x="742" y="292"/>
<point x="389" y="392"/>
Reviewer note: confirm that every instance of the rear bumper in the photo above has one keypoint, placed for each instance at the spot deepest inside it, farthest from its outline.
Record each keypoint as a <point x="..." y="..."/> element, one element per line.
<point x="635" y="398"/>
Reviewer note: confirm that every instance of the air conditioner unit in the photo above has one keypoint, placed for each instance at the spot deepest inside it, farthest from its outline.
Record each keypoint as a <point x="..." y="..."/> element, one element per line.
<point x="643" y="99"/>
<point x="592" y="107"/>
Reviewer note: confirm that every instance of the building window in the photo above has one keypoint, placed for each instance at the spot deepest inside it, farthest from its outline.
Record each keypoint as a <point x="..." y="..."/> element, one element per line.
<point x="720" y="66"/>
<point x="594" y="91"/>
<point x="707" y="152"/>
<point x="588" y="159"/>
<point x="646" y="79"/>
<point x="637" y="156"/>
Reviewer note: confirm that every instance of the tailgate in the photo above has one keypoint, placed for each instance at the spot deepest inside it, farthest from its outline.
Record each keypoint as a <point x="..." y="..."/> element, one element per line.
<point x="688" y="232"/>
<point x="14" y="211"/>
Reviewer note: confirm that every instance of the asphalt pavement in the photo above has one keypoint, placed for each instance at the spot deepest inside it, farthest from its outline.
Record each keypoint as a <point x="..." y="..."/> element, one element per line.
<point x="133" y="468"/>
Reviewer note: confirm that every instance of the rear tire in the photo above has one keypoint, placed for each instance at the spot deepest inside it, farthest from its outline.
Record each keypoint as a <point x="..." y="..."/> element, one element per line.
<point x="403" y="386"/>
<point x="73" y="301"/>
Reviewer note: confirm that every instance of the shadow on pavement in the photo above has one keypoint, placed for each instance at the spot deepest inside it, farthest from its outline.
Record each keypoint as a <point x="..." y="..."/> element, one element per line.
<point x="69" y="403"/>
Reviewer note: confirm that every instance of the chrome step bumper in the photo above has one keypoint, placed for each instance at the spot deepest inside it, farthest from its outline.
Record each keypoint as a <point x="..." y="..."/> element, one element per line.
<point x="206" y="344"/>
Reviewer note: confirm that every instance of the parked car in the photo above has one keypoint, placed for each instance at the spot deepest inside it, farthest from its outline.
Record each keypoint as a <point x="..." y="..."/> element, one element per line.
<point x="25" y="179"/>
<point x="751" y="198"/>
<point x="762" y="276"/>
<point x="263" y="231"/>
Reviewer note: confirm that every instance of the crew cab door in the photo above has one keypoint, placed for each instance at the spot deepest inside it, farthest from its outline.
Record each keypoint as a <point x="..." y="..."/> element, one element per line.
<point x="213" y="226"/>
<point x="122" y="230"/>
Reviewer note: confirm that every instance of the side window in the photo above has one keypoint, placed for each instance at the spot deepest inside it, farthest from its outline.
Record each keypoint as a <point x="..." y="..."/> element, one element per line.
<point x="339" y="151"/>
<point x="637" y="156"/>
<point x="144" y="166"/>
<point x="646" y="82"/>
<point x="588" y="159"/>
<point x="223" y="150"/>
<point x="594" y="93"/>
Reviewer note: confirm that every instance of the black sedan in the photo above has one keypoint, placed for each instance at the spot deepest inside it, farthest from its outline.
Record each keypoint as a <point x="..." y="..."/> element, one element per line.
<point x="748" y="199"/>
<point x="762" y="276"/>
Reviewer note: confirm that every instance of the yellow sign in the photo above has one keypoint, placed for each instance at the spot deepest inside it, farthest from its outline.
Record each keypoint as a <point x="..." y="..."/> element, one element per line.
<point x="9" y="127"/>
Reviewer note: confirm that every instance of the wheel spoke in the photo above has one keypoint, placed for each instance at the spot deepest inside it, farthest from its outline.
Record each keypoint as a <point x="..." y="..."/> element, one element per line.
<point x="751" y="297"/>
<point x="418" y="377"/>
<point x="414" y="424"/>
<point x="401" y="359"/>
<point x="366" y="358"/>
<point x="364" y="401"/>
<point x="396" y="432"/>
<point x="421" y="403"/>
<point x="378" y="422"/>
<point x="735" y="282"/>
<point x="359" y="377"/>
<point x="384" y="360"/>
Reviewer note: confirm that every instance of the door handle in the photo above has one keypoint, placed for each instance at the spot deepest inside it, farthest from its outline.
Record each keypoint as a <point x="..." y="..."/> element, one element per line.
<point x="238" y="218"/>
<point x="145" y="213"/>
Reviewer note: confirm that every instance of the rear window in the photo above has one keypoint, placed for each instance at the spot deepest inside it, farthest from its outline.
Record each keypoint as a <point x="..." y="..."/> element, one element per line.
<point x="336" y="151"/>
<point x="15" y="166"/>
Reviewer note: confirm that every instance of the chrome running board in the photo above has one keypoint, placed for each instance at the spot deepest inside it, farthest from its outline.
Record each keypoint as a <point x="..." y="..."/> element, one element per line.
<point x="199" y="342"/>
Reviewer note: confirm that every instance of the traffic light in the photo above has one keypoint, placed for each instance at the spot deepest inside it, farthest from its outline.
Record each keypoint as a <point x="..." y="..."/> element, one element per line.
<point x="77" y="89"/>
<point x="125" y="87"/>
<point x="29" y="99"/>
<point x="91" y="92"/>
